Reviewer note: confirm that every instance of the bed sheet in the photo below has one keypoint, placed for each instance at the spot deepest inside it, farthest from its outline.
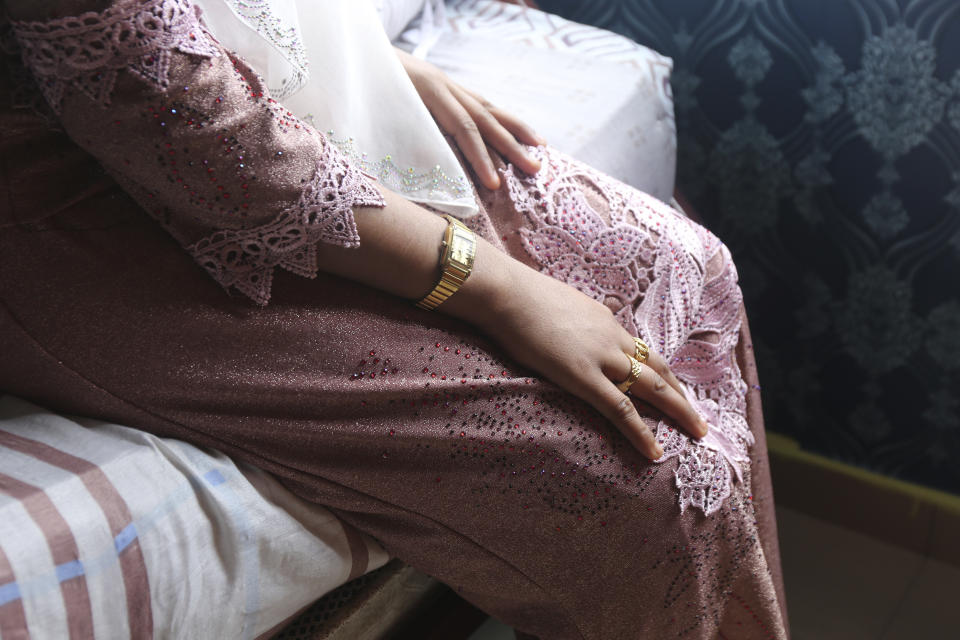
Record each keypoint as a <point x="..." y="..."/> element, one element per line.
<point x="110" y="532"/>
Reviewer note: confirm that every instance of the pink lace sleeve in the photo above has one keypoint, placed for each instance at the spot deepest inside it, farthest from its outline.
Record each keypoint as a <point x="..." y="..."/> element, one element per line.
<point x="192" y="133"/>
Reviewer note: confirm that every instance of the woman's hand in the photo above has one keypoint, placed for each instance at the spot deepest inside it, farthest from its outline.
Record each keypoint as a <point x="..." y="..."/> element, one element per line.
<point x="472" y="121"/>
<point x="542" y="323"/>
<point x="576" y="342"/>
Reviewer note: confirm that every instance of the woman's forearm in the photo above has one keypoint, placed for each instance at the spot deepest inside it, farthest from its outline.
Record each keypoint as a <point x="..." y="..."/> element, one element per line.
<point x="399" y="253"/>
<point x="399" y="245"/>
<point x="541" y="322"/>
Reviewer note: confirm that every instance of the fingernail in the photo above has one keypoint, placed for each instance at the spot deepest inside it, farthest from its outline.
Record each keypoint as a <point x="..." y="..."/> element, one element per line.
<point x="657" y="453"/>
<point x="541" y="140"/>
<point x="704" y="428"/>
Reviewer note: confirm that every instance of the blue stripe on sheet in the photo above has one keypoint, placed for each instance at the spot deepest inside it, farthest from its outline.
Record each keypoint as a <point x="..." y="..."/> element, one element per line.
<point x="9" y="592"/>
<point x="250" y="560"/>
<point x="222" y="482"/>
<point x="214" y="477"/>
<point x="69" y="570"/>
<point x="39" y="585"/>
<point x="125" y="537"/>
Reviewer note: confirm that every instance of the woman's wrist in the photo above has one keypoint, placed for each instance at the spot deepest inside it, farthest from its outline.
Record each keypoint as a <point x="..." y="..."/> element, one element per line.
<point x="489" y="290"/>
<point x="399" y="253"/>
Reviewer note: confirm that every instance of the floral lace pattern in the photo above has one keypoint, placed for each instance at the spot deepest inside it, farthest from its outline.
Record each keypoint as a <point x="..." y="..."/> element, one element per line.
<point x="87" y="51"/>
<point x="245" y="258"/>
<point x="668" y="281"/>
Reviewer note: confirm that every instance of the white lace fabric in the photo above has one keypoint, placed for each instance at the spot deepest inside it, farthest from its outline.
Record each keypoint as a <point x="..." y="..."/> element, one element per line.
<point x="273" y="41"/>
<point x="377" y="120"/>
<point x="243" y="184"/>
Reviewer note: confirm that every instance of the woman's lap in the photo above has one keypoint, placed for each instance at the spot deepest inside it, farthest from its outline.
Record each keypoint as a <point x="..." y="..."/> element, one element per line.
<point x="515" y="493"/>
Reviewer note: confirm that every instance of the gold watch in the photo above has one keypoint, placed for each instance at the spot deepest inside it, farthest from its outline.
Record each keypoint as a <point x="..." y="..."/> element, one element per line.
<point x="456" y="261"/>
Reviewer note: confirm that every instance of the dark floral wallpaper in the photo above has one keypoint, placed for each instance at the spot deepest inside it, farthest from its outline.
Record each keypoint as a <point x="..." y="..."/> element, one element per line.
<point x="821" y="140"/>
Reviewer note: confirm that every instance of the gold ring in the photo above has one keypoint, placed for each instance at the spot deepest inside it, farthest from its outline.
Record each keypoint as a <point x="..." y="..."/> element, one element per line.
<point x="636" y="370"/>
<point x="641" y="350"/>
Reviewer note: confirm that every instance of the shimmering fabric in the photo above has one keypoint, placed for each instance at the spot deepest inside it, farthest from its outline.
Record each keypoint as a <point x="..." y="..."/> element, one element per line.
<point x="193" y="134"/>
<point x="411" y="426"/>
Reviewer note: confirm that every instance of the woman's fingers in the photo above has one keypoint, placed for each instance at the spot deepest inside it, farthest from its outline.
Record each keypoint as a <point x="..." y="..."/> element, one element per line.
<point x="652" y="388"/>
<point x="659" y="364"/>
<point x="472" y="121"/>
<point x="454" y="119"/>
<point x="618" y="408"/>
<point x="655" y="361"/>
<point x="494" y="133"/>
<point x="523" y="132"/>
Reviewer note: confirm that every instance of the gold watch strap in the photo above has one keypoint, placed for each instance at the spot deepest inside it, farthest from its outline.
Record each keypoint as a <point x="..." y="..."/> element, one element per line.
<point x="453" y="272"/>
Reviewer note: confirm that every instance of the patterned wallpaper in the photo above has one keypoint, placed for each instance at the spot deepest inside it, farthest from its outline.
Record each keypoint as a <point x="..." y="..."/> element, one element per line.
<point x="821" y="140"/>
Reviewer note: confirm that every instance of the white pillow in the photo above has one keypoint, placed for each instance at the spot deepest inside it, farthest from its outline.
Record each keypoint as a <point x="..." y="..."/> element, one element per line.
<point x="397" y="14"/>
<point x="593" y="94"/>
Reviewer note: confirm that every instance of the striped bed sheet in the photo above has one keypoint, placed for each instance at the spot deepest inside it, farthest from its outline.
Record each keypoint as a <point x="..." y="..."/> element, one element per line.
<point x="110" y="532"/>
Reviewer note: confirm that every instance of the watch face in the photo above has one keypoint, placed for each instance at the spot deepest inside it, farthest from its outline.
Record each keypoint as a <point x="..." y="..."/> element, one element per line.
<point x="462" y="247"/>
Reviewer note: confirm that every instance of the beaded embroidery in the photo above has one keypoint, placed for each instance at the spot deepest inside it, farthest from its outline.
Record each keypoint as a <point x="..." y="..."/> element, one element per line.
<point x="86" y="52"/>
<point x="259" y="16"/>
<point x="668" y="281"/>
<point x="413" y="182"/>
<point x="420" y="183"/>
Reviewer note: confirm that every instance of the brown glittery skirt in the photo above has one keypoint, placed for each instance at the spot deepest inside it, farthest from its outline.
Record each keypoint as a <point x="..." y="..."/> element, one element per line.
<point x="408" y="425"/>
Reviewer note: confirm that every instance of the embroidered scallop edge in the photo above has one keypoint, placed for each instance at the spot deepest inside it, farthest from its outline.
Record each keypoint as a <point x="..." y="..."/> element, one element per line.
<point x="246" y="258"/>
<point x="86" y="52"/>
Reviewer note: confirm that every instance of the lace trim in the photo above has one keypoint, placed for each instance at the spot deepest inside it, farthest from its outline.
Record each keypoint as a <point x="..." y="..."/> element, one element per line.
<point x="245" y="258"/>
<point x="651" y="263"/>
<point x="258" y="14"/>
<point x="86" y="52"/>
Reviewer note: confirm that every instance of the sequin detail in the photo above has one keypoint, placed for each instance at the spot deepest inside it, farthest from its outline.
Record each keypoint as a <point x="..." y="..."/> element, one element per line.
<point x="245" y="258"/>
<point x="286" y="38"/>
<point x="413" y="182"/>
<point x="668" y="281"/>
<point x="86" y="52"/>
<point x="524" y="437"/>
